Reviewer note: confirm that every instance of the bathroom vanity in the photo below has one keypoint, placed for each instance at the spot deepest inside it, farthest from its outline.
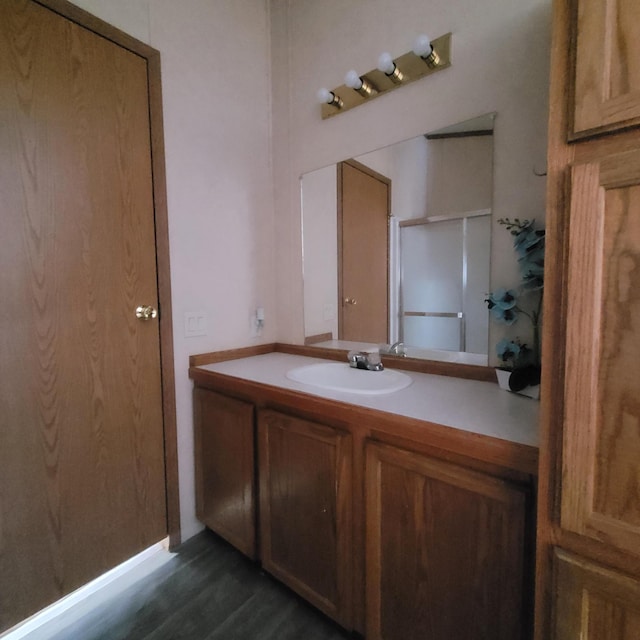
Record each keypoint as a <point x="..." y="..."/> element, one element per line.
<point x="399" y="515"/>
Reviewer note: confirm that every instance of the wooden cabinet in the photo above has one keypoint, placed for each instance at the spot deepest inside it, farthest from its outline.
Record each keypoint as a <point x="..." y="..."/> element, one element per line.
<point x="225" y="468"/>
<point x="607" y="65"/>
<point x="601" y="477"/>
<point x="588" y="574"/>
<point x="305" y="509"/>
<point x="595" y="603"/>
<point x="397" y="528"/>
<point x="445" y="550"/>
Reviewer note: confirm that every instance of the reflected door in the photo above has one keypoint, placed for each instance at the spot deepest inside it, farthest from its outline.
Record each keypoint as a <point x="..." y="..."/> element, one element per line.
<point x="363" y="250"/>
<point x="444" y="278"/>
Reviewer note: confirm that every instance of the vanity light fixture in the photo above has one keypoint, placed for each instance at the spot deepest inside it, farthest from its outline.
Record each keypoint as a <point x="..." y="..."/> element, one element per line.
<point x="427" y="57"/>
<point x="387" y="65"/>
<point x="423" y="48"/>
<point x="359" y="84"/>
<point x="329" y="98"/>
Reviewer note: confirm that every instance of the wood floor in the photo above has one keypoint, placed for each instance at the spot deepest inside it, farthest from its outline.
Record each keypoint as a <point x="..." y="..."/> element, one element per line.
<point x="209" y="591"/>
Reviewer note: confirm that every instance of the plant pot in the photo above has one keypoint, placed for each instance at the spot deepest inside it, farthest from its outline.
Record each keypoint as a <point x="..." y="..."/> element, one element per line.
<point x="503" y="376"/>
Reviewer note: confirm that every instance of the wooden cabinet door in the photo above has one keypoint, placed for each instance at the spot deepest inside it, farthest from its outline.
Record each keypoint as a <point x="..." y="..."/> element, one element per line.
<point x="305" y="509"/>
<point x="601" y="449"/>
<point x="607" y="66"/>
<point x="594" y="603"/>
<point x="225" y="468"/>
<point x="445" y="550"/>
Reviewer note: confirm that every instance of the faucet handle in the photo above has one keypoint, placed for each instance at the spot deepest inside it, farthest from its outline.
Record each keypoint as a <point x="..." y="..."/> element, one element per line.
<point x="365" y="360"/>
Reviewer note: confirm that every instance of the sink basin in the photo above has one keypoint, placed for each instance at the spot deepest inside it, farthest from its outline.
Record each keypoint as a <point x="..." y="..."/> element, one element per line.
<point x="339" y="376"/>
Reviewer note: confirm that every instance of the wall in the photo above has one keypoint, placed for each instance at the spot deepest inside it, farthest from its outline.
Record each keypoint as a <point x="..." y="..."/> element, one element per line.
<point x="233" y="171"/>
<point x="320" y="264"/>
<point x="215" y="75"/>
<point x="499" y="63"/>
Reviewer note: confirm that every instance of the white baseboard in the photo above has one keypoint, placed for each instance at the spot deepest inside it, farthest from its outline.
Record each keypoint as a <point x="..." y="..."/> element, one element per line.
<point x="89" y="595"/>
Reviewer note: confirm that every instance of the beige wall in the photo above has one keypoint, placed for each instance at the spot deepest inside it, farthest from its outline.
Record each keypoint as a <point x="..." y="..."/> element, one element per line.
<point x="233" y="170"/>
<point x="215" y="76"/>
<point x="500" y="62"/>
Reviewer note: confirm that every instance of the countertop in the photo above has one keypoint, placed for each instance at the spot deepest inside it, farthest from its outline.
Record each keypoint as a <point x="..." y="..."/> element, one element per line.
<point x="468" y="405"/>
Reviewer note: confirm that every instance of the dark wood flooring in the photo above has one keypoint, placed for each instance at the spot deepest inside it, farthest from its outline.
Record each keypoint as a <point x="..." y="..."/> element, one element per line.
<point x="209" y="591"/>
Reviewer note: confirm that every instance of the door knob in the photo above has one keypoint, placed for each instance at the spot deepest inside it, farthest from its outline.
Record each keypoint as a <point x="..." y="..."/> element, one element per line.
<point x="146" y="312"/>
<point x="350" y="301"/>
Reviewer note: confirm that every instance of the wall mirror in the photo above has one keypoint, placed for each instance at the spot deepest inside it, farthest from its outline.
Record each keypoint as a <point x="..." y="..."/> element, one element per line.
<point x="397" y="245"/>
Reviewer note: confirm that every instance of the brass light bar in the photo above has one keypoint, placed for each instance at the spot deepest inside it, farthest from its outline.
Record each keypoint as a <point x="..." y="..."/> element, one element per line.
<point x="410" y="68"/>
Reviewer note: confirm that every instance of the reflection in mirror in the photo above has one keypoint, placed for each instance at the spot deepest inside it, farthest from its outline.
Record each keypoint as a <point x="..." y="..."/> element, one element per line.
<point x="434" y="196"/>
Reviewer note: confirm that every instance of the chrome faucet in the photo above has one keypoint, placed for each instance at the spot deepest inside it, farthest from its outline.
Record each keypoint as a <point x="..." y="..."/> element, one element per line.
<point x="397" y="348"/>
<point x="365" y="360"/>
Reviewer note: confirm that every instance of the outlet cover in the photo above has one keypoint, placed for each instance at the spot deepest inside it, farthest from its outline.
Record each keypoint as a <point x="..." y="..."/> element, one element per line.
<point x="195" y="324"/>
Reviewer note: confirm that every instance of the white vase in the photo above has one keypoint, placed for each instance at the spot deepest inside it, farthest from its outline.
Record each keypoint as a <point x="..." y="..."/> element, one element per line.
<point x="503" y="382"/>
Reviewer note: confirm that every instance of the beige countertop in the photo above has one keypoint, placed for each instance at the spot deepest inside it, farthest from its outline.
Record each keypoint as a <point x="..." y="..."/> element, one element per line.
<point x="468" y="405"/>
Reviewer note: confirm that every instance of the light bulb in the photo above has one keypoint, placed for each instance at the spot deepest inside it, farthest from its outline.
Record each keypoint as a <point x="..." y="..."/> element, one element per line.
<point x="386" y="63"/>
<point x="388" y="67"/>
<point x="422" y="46"/>
<point x="353" y="80"/>
<point x="325" y="96"/>
<point x="328" y="97"/>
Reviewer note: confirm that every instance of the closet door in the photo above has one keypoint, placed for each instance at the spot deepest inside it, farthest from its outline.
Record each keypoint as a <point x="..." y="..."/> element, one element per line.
<point x="82" y="477"/>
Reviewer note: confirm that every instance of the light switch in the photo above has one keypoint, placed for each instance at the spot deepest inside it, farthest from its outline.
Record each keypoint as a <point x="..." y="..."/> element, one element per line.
<point x="195" y="324"/>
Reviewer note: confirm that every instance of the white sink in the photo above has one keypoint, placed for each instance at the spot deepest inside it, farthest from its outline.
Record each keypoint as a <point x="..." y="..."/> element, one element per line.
<point x="339" y="376"/>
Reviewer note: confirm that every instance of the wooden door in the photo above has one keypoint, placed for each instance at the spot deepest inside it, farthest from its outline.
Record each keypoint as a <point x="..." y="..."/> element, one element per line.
<point x="225" y="467"/>
<point x="363" y="253"/>
<point x="607" y="66"/>
<point x="82" y="467"/>
<point x="445" y="550"/>
<point x="305" y="509"/>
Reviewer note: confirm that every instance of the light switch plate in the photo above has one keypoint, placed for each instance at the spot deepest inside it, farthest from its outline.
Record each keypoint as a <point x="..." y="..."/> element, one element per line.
<point x="195" y="324"/>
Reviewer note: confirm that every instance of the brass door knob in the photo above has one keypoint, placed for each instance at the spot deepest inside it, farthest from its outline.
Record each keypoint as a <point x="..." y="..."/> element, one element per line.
<point x="146" y="312"/>
<point x="350" y="301"/>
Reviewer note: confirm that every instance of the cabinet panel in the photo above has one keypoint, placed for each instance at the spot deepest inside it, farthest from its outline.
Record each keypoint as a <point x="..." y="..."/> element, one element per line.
<point x="225" y="472"/>
<point x="594" y="603"/>
<point x="607" y="65"/>
<point x="445" y="550"/>
<point x="305" y="509"/>
<point x="601" y="481"/>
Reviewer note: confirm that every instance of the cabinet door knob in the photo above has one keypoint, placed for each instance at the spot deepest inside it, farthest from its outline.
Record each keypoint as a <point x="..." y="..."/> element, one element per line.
<point x="146" y="312"/>
<point x="350" y="301"/>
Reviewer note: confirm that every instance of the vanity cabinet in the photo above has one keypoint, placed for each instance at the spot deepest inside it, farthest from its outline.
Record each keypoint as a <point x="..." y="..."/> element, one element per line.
<point x="445" y="550"/>
<point x="395" y="527"/>
<point x="588" y="574"/>
<point x="305" y="509"/>
<point x="225" y="467"/>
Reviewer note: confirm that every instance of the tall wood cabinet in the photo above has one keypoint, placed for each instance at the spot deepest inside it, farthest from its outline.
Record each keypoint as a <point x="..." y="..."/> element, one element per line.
<point x="588" y="585"/>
